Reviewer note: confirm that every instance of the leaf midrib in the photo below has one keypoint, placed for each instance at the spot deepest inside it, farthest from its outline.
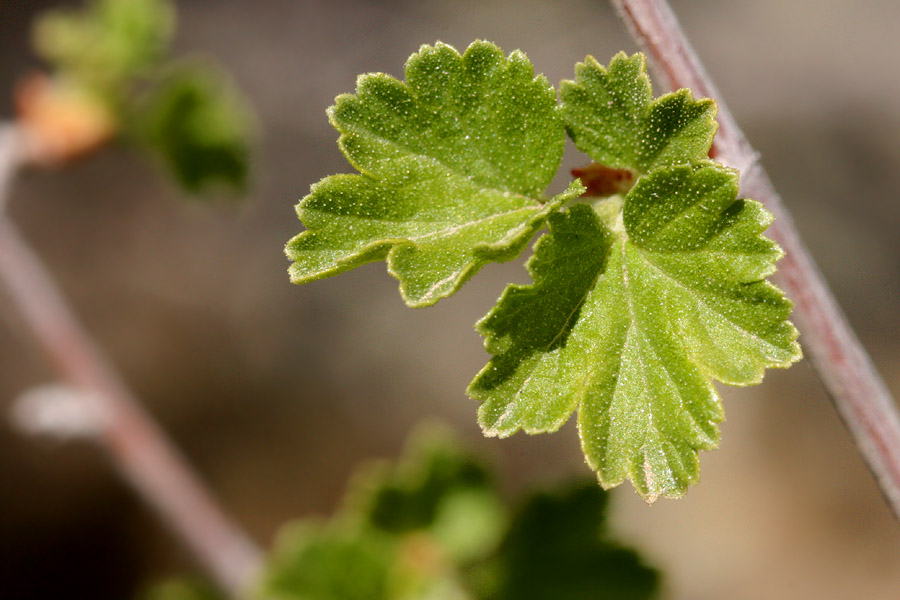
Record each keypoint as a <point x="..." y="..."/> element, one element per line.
<point x="453" y="227"/>
<point x="636" y="327"/>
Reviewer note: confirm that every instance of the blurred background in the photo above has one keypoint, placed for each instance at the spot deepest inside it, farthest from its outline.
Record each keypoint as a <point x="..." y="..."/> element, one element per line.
<point x="275" y="392"/>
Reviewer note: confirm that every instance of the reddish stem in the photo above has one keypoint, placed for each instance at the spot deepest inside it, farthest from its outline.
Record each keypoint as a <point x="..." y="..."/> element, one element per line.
<point x="858" y="392"/>
<point x="601" y="180"/>
<point x="143" y="454"/>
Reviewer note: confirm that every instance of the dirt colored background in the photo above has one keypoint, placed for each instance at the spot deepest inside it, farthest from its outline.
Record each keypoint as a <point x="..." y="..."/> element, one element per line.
<point x="274" y="392"/>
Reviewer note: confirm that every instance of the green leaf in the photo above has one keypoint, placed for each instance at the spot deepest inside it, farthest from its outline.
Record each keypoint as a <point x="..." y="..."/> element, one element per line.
<point x="407" y="530"/>
<point x="317" y="562"/>
<point x="196" y="123"/>
<point x="107" y="42"/>
<point x="452" y="165"/>
<point x="557" y="548"/>
<point x="636" y="306"/>
<point x="612" y="117"/>
<point x="401" y="534"/>
<point x="438" y="489"/>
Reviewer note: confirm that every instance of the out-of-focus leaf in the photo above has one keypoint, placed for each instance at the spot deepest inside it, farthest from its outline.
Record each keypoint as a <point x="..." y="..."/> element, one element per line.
<point x="320" y="562"/>
<point x="431" y="527"/>
<point x="197" y="124"/>
<point x="438" y="489"/>
<point x="108" y="42"/>
<point x="402" y="533"/>
<point x="557" y="547"/>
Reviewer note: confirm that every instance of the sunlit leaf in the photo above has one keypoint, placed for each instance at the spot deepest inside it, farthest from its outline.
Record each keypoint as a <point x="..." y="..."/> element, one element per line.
<point x="453" y="164"/>
<point x="612" y="117"/>
<point x="635" y="308"/>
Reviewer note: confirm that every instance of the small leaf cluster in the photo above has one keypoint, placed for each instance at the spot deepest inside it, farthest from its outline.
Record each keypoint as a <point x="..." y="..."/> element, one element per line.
<point x="112" y="66"/>
<point x="642" y="295"/>
<point x="433" y="526"/>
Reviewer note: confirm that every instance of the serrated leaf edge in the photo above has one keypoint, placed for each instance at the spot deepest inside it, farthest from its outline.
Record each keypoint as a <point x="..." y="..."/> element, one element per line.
<point x="481" y="253"/>
<point x="631" y="472"/>
<point x="590" y="62"/>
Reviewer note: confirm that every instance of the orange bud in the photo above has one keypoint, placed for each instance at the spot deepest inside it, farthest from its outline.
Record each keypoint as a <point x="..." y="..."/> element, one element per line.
<point x="60" y="122"/>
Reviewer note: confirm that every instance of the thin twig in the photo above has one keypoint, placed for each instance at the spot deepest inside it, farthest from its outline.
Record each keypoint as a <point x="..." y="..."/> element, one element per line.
<point x="140" y="450"/>
<point x="858" y="392"/>
<point x="11" y="158"/>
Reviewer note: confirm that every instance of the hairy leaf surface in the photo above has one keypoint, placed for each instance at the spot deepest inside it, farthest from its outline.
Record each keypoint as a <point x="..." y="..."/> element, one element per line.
<point x="664" y="292"/>
<point x="452" y="166"/>
<point x="612" y="117"/>
<point x="639" y="302"/>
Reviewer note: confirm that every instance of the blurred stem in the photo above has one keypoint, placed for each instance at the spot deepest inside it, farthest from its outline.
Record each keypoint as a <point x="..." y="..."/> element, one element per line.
<point x="11" y="158"/>
<point x="140" y="450"/>
<point x="856" y="389"/>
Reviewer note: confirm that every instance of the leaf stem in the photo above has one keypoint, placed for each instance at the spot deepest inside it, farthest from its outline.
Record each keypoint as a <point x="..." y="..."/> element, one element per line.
<point x="857" y="391"/>
<point x="140" y="450"/>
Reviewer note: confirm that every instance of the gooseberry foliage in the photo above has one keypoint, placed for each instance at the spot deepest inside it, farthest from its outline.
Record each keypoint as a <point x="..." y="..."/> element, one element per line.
<point x="113" y="57"/>
<point x="434" y="525"/>
<point x="643" y="294"/>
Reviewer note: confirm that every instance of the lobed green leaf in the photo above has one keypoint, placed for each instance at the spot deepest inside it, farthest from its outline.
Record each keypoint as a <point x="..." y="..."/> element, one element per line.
<point x="638" y="303"/>
<point x="668" y="294"/>
<point x="612" y="117"/>
<point x="197" y="124"/>
<point x="452" y="166"/>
